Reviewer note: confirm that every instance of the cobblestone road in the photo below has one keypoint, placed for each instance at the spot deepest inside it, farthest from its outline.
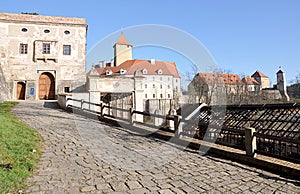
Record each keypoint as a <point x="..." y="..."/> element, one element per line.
<point x="82" y="155"/>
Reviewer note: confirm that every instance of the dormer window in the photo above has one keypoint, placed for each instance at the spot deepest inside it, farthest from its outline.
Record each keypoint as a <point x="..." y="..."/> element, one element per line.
<point x="108" y="72"/>
<point x="159" y="71"/>
<point x="122" y="71"/>
<point x="145" y="71"/>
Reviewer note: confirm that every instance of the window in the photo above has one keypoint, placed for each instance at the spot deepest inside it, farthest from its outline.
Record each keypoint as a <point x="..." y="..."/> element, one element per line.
<point x="67" y="50"/>
<point x="108" y="72"/>
<point x="160" y="78"/>
<point x="168" y="86"/>
<point x="67" y="32"/>
<point x="159" y="71"/>
<point x="146" y="96"/>
<point x="144" y="71"/>
<point x="23" y="48"/>
<point x="153" y="85"/>
<point x="169" y="95"/>
<point x="47" y="31"/>
<point x="153" y="95"/>
<point x="153" y="78"/>
<point x="160" y="86"/>
<point x="46" y="48"/>
<point x="122" y="71"/>
<point x="67" y="89"/>
<point x="24" y="30"/>
<point x="161" y="96"/>
<point x="145" y="86"/>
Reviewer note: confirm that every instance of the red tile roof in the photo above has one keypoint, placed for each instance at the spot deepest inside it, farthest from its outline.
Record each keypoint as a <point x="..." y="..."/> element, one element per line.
<point x="131" y="66"/>
<point x="250" y="81"/>
<point x="122" y="40"/>
<point x="259" y="74"/>
<point x="213" y="78"/>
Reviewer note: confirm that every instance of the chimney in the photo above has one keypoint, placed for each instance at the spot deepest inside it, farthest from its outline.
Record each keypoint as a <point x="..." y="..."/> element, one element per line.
<point x="152" y="61"/>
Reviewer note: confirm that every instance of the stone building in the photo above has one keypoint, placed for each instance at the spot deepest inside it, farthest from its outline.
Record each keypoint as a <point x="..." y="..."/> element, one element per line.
<point x="262" y="79"/>
<point x="205" y="86"/>
<point x="154" y="84"/>
<point x="251" y="84"/>
<point x="41" y="56"/>
<point x="249" y="90"/>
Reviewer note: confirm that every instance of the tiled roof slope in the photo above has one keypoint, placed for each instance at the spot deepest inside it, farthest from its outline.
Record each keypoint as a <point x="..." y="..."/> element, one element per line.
<point x="250" y="81"/>
<point x="213" y="78"/>
<point x="122" y="40"/>
<point x="259" y="74"/>
<point x="131" y="66"/>
<point x="27" y="18"/>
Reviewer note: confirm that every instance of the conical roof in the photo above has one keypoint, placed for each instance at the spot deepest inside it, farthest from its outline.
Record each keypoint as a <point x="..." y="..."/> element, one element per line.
<point x="280" y="71"/>
<point x="122" y="40"/>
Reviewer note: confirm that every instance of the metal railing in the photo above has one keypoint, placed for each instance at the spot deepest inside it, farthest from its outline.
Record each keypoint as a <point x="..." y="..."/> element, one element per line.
<point x="277" y="127"/>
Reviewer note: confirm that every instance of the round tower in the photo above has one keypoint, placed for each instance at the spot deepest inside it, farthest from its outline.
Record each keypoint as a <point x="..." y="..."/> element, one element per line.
<point x="281" y="85"/>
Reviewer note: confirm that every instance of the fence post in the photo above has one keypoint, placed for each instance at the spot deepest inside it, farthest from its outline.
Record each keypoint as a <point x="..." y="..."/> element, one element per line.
<point x="81" y="106"/>
<point x="250" y="142"/>
<point x="177" y="125"/>
<point x="102" y="112"/>
<point x="131" y="115"/>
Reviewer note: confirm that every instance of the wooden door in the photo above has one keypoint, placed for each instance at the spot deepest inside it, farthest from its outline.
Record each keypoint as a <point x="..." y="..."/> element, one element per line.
<point x="21" y="91"/>
<point x="46" y="87"/>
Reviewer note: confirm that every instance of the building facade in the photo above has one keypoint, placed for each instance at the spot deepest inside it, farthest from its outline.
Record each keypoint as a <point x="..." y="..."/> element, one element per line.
<point x="210" y="87"/>
<point x="154" y="84"/>
<point x="262" y="79"/>
<point x="41" y="56"/>
<point x="248" y="90"/>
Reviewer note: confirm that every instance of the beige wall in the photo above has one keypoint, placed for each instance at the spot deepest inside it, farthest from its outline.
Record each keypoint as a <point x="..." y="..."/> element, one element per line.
<point x="122" y="53"/>
<point x="68" y="70"/>
<point x="265" y="82"/>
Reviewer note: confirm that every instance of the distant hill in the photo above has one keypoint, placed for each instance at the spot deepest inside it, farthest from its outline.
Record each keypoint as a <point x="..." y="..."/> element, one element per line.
<point x="294" y="91"/>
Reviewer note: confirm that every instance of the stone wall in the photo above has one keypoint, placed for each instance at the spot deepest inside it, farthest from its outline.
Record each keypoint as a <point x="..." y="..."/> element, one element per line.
<point x="3" y="87"/>
<point x="68" y="70"/>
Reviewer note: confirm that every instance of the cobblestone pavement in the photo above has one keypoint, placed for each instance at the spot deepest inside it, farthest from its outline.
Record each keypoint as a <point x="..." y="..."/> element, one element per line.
<point x="82" y="155"/>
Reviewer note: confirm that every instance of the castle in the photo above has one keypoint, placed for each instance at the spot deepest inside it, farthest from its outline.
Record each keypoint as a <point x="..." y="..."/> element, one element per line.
<point x="154" y="84"/>
<point x="41" y="56"/>
<point x="248" y="90"/>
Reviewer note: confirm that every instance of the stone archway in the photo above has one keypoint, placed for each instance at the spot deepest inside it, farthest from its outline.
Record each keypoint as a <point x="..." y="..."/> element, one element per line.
<point x="46" y="86"/>
<point x="21" y="88"/>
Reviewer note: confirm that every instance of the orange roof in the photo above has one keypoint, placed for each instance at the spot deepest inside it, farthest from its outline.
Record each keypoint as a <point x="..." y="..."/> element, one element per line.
<point x="250" y="81"/>
<point x="131" y="66"/>
<point x="213" y="78"/>
<point x="122" y="40"/>
<point x="259" y="74"/>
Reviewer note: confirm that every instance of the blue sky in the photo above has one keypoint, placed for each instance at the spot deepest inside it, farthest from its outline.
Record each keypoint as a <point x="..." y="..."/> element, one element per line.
<point x="242" y="36"/>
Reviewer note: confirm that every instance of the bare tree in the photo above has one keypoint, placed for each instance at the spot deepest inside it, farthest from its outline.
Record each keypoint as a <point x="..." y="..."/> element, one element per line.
<point x="294" y="89"/>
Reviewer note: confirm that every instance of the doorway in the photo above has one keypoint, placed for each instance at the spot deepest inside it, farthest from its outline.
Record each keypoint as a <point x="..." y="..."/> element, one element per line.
<point x="21" y="88"/>
<point x="46" y="87"/>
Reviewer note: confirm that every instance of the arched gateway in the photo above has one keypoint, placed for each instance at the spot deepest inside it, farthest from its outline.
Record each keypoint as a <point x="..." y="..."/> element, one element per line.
<point x="46" y="86"/>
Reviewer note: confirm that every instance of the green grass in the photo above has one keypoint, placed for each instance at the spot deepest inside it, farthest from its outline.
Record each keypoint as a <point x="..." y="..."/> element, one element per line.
<point x="17" y="142"/>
